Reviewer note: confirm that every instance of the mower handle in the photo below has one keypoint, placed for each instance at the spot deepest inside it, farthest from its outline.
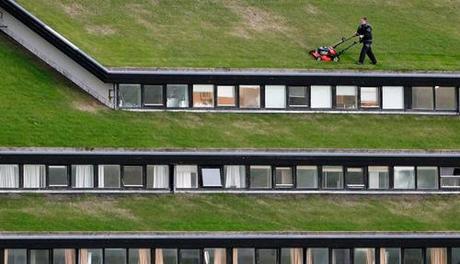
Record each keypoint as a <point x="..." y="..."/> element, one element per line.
<point x="344" y="39"/>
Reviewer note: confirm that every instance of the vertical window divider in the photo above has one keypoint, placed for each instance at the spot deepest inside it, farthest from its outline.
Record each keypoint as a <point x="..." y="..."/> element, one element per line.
<point x="215" y="95"/>
<point x="435" y="106"/>
<point x="304" y="255"/>
<point x="416" y="177"/>
<point x="200" y="176"/>
<point x="366" y="177"/>
<point x="380" y="92"/>
<point x="21" y="176"/>
<point x="334" y="96"/>
<point x="391" y="177"/>
<point x="294" y="176"/>
<point x="144" y="176"/>
<point x="77" y="255"/>
<point x="50" y="255"/>
<point x="329" y="252"/>
<point x="358" y="99"/>
<point x="352" y="255"/>
<point x="237" y="96"/>
<point x="407" y="97"/>
<point x="96" y="176"/>
<point x="164" y="95"/>
<point x="262" y="96"/>
<point x="457" y="98"/>
<point x="142" y="96"/>
<point x="449" y="255"/>
<point x="47" y="177"/>
<point x="248" y="176"/>
<point x="256" y="255"/>
<point x="103" y="256"/>
<point x="116" y="95"/>
<point x="439" y="177"/>
<point x="152" y="255"/>
<point x="172" y="184"/>
<point x="28" y="256"/>
<point x="278" y="255"/>
<point x="190" y="95"/>
<point x="377" y="255"/>
<point x="308" y="97"/>
<point x="273" y="171"/>
<point x="229" y="253"/>
<point x="287" y="97"/>
<point x="424" y="255"/>
<point x="127" y="255"/>
<point x="69" y="176"/>
<point x="320" y="177"/>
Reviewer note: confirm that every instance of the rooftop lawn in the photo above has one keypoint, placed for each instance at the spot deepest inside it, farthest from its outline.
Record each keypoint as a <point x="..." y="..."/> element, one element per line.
<point x="409" y="34"/>
<point x="39" y="108"/>
<point x="229" y="213"/>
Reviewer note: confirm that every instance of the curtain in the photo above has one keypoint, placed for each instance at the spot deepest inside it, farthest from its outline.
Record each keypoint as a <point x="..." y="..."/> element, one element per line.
<point x="69" y="256"/>
<point x="235" y="256"/>
<point x="235" y="177"/>
<point x="34" y="176"/>
<point x="296" y="255"/>
<point x="158" y="256"/>
<point x="383" y="256"/>
<point x="370" y="256"/>
<point x="160" y="177"/>
<point x="100" y="177"/>
<point x="144" y="256"/>
<point x="437" y="256"/>
<point x="9" y="176"/>
<point x="184" y="176"/>
<point x="85" y="256"/>
<point x="83" y="176"/>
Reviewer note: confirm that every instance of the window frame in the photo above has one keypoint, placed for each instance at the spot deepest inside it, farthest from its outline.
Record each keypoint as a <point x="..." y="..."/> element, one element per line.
<point x="379" y="98"/>
<point x="163" y="97"/>
<point x="423" y="109"/>
<point x="53" y="186"/>
<point x="456" y="98"/>
<point x="213" y="96"/>
<point x="122" y="177"/>
<point x="284" y="94"/>
<point x="196" y="183"/>
<point x="236" y="96"/>
<point x="138" y="86"/>
<point x="72" y="182"/>
<point x="323" y="182"/>
<point x="318" y="180"/>
<point x="168" y="176"/>
<point x="261" y="96"/>
<point x="307" y="99"/>
<point x="120" y="181"/>
<point x="251" y="187"/>
<point x="200" y="177"/>
<point x="357" y="98"/>
<point x="346" y="176"/>
<point x="188" y="99"/>
<point x="417" y="181"/>
<point x="284" y="186"/>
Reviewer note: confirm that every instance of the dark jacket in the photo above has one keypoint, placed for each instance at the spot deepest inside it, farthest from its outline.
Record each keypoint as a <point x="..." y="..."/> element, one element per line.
<point x="366" y="31"/>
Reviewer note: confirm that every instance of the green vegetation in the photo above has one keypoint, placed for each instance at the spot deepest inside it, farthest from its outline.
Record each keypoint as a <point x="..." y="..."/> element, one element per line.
<point x="409" y="35"/>
<point x="39" y="108"/>
<point x="222" y="212"/>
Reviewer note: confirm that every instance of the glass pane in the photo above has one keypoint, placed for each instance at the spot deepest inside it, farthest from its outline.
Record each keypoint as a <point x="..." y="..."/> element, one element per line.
<point x="355" y="178"/>
<point x="132" y="175"/>
<point x="370" y="97"/>
<point x="215" y="256"/>
<point x="307" y="177"/>
<point x="39" y="256"/>
<point x="129" y="95"/>
<point x="436" y="256"/>
<point x="346" y="97"/>
<point x="15" y="256"/>
<point x="445" y="98"/>
<point x="450" y="177"/>
<point x="34" y="176"/>
<point x="404" y="178"/>
<point x="266" y="256"/>
<point x="243" y="256"/>
<point x="332" y="177"/>
<point x="298" y="96"/>
<point x="341" y="256"/>
<point x="189" y="256"/>
<point x="90" y="256"/>
<point x="82" y="176"/>
<point x="211" y="177"/>
<point x="318" y="256"/>
<point x="139" y="256"/>
<point x="379" y="177"/>
<point x="321" y="96"/>
<point x="261" y="176"/>
<point x="109" y="176"/>
<point x="455" y="255"/>
<point x="177" y="95"/>
<point x="390" y="256"/>
<point x="422" y="98"/>
<point x="153" y="94"/>
<point x="275" y="96"/>
<point x="249" y="96"/>
<point x="115" y="255"/>
<point x="226" y="95"/>
<point x="186" y="176"/>
<point x="364" y="256"/>
<point x="57" y="176"/>
<point x="9" y="176"/>
<point x="393" y="97"/>
<point x="158" y="176"/>
<point x="291" y="256"/>
<point x="64" y="256"/>
<point x="413" y="256"/>
<point x="283" y="177"/>
<point x="166" y="256"/>
<point x="427" y="177"/>
<point x="235" y="176"/>
<point x="203" y="95"/>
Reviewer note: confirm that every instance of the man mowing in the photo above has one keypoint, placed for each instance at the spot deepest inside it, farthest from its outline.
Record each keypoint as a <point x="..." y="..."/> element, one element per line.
<point x="365" y="35"/>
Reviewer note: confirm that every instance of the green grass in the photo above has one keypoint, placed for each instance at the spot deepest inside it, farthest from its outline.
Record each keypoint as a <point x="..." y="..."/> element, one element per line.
<point x="209" y="212"/>
<point x="409" y="34"/>
<point x="39" y="108"/>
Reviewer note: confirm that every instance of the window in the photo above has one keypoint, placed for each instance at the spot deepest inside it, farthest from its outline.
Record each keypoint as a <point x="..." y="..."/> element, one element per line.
<point x="317" y="256"/>
<point x="436" y="256"/>
<point x="109" y="176"/>
<point x="427" y="178"/>
<point x="393" y="97"/>
<point x="244" y="256"/>
<point x="298" y="96"/>
<point x="379" y="177"/>
<point x="422" y="98"/>
<point x="211" y="177"/>
<point x="321" y="96"/>
<point x="215" y="256"/>
<point x="115" y="255"/>
<point x="39" y="256"/>
<point x="133" y="176"/>
<point x="266" y="256"/>
<point x="291" y="256"/>
<point x="249" y="96"/>
<point x="166" y="256"/>
<point x="82" y="176"/>
<point x="446" y="98"/>
<point x="153" y="95"/>
<point x="90" y="256"/>
<point x="34" y="176"/>
<point x="129" y="95"/>
<point x="355" y="178"/>
<point x="186" y="176"/>
<point x="177" y="95"/>
<point x="275" y="96"/>
<point x="364" y="256"/>
<point x="226" y="95"/>
<point x="203" y="95"/>
<point x="235" y="176"/>
<point x="455" y="255"/>
<point x="332" y="177"/>
<point x="307" y="177"/>
<point x="413" y="256"/>
<point x="9" y="176"/>
<point x="404" y="178"/>
<point x="64" y="256"/>
<point x="341" y="256"/>
<point x="139" y="256"/>
<point x="450" y="177"/>
<point x="189" y="256"/>
<point x="390" y="256"/>
<point x="261" y="176"/>
<point x="370" y="97"/>
<point x="15" y="256"/>
<point x="158" y="176"/>
<point x="283" y="177"/>
<point x="346" y="97"/>
<point x="58" y="176"/>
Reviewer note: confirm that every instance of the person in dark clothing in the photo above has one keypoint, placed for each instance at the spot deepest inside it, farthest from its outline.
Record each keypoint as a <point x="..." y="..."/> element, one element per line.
<point x="365" y="35"/>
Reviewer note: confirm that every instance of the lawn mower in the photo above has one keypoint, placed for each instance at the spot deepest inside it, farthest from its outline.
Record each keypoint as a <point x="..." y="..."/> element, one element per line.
<point x="330" y="53"/>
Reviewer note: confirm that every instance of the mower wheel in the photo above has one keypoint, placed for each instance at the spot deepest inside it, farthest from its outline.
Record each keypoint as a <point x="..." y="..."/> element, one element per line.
<point x="336" y="59"/>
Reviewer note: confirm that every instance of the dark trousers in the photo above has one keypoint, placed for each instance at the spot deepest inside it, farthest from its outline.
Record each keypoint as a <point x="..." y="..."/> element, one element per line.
<point x="367" y="49"/>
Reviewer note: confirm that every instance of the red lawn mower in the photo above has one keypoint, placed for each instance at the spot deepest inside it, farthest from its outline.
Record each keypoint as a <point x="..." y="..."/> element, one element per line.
<point x="330" y="53"/>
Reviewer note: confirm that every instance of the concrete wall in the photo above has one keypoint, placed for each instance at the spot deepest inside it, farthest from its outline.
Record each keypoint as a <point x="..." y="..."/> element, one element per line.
<point x="56" y="59"/>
